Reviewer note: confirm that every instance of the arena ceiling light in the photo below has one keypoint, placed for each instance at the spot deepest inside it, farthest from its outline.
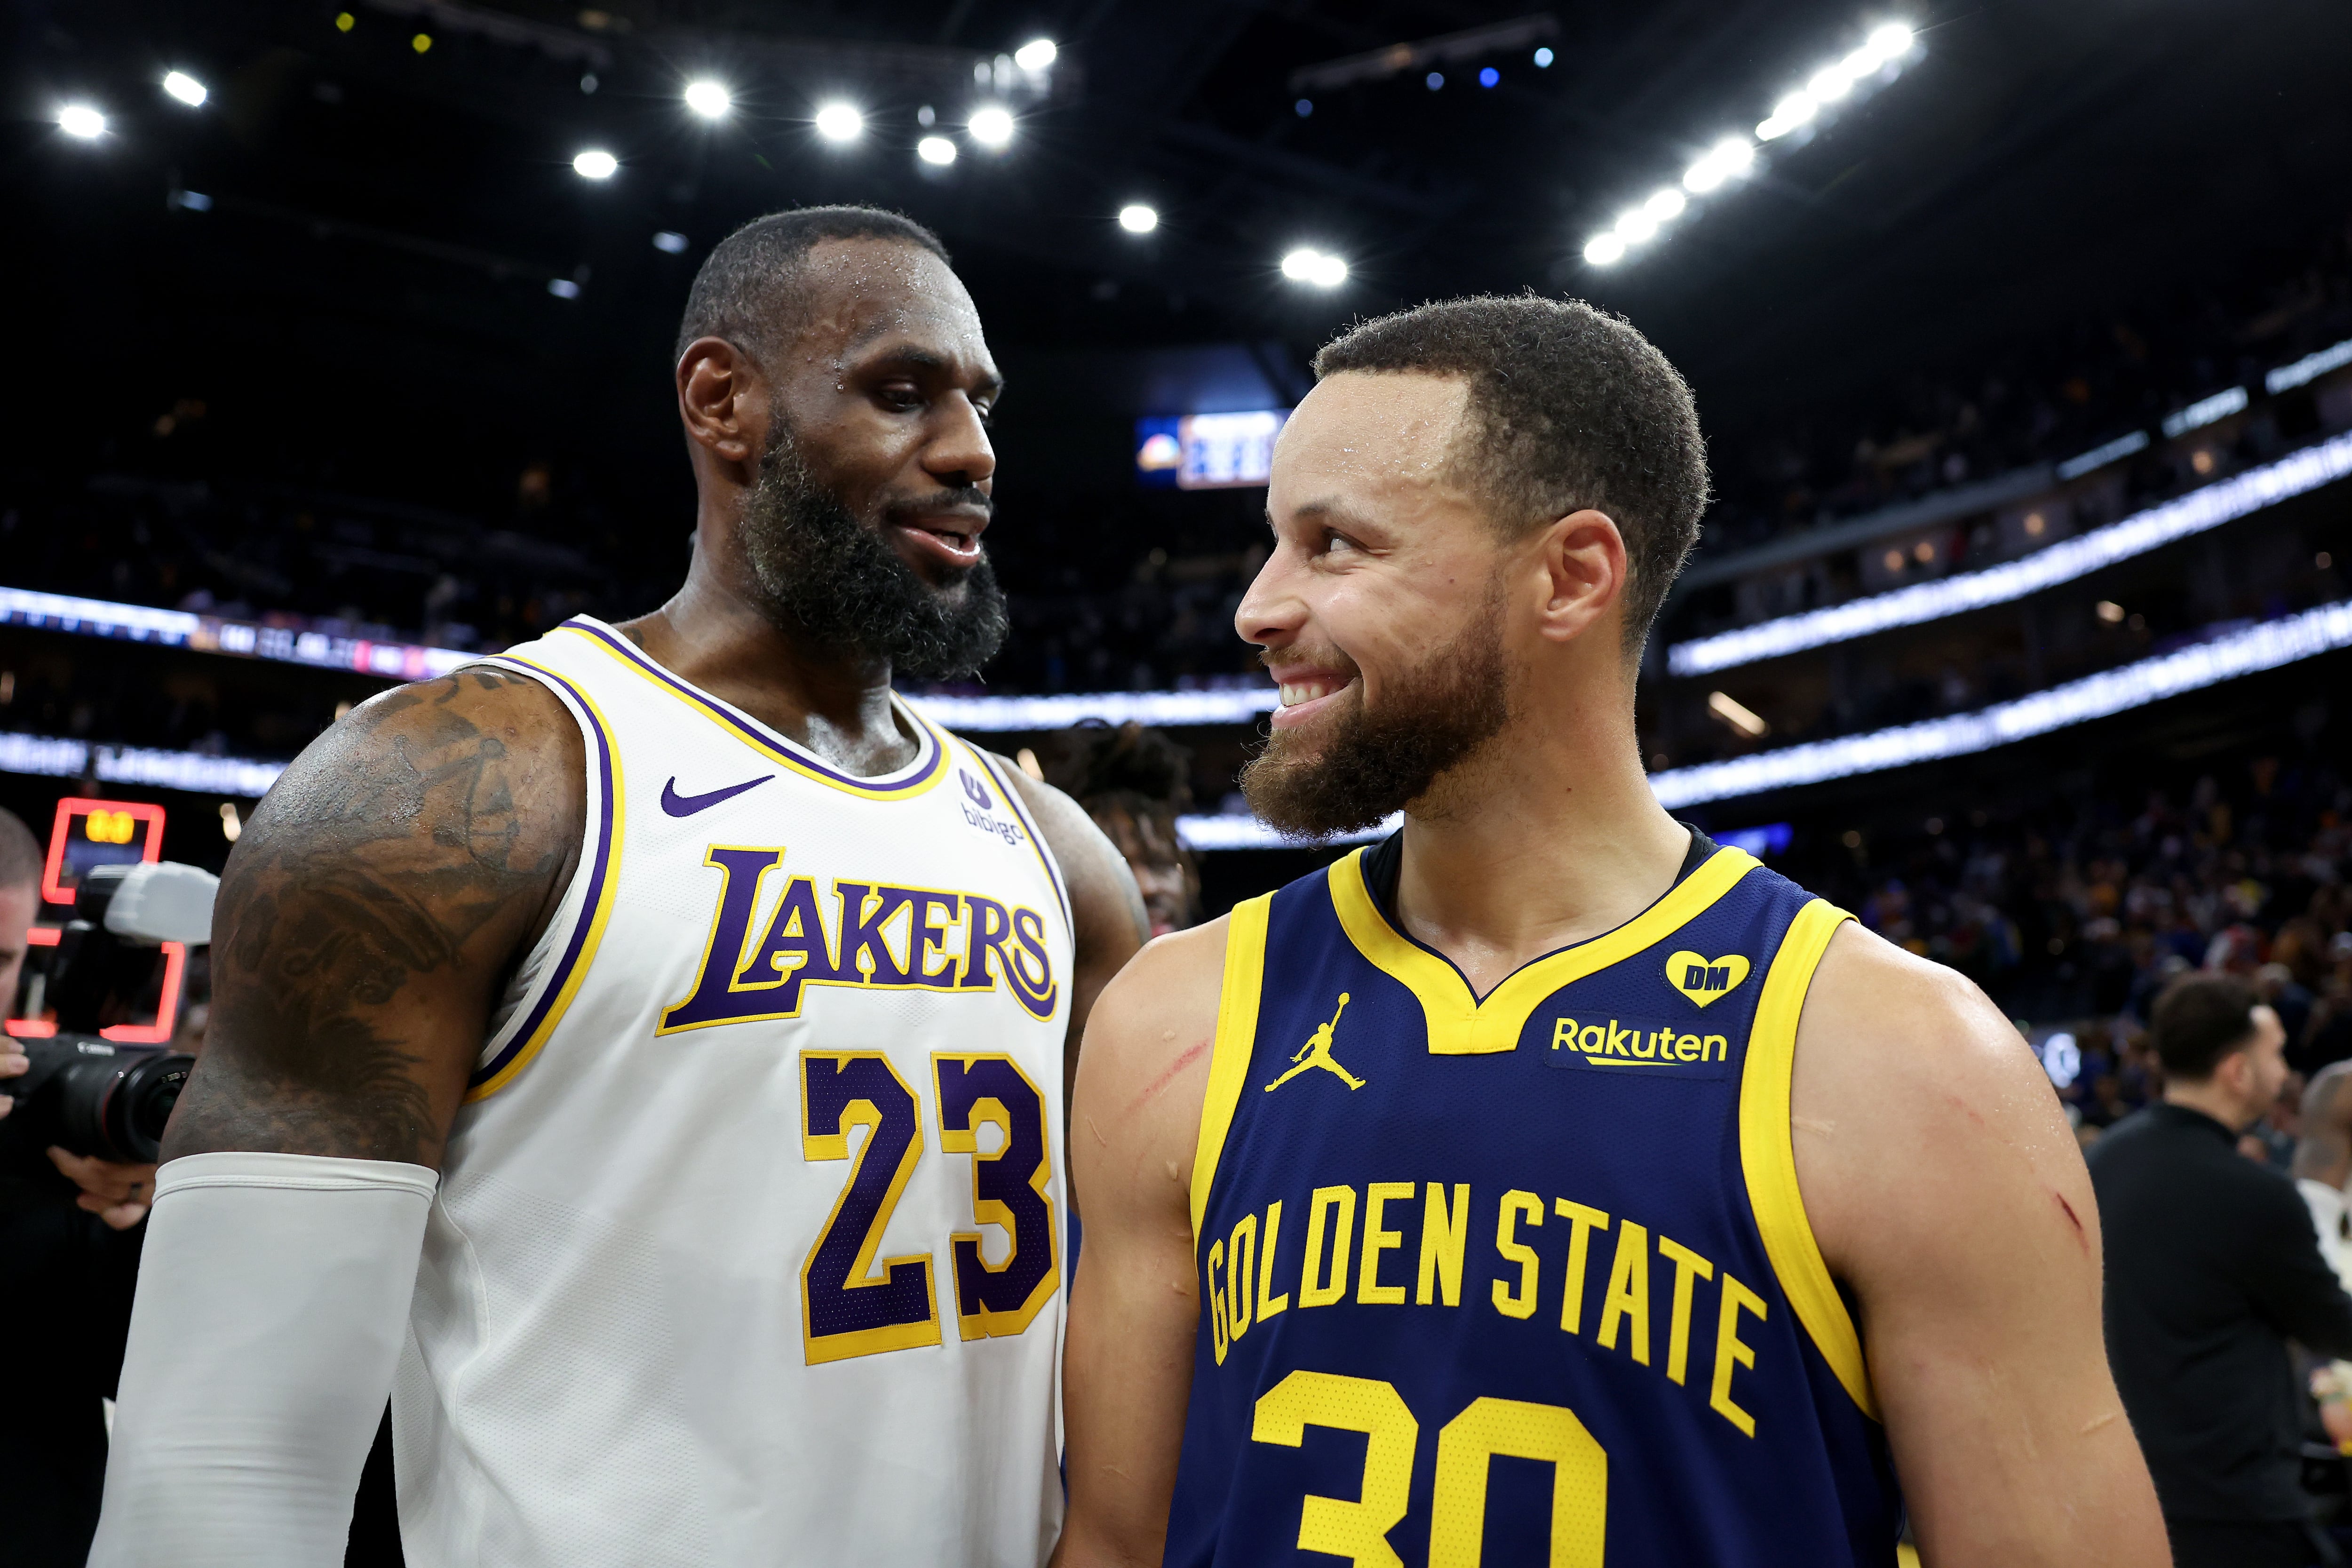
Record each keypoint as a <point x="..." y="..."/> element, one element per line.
<point x="1035" y="55"/>
<point x="991" y="126"/>
<point x="1306" y="265"/>
<point x="82" y="122"/>
<point x="1734" y="156"/>
<point x="1137" y="218"/>
<point x="1833" y="82"/>
<point x="595" y="163"/>
<point x="185" y="88"/>
<point x="936" y="150"/>
<point x="839" y="122"/>
<point x="708" y="98"/>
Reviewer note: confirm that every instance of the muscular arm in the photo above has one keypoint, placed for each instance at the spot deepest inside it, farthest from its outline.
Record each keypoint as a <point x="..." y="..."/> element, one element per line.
<point x="1128" y="1371"/>
<point x="369" y="914"/>
<point x="1105" y="907"/>
<point x="1948" y="1195"/>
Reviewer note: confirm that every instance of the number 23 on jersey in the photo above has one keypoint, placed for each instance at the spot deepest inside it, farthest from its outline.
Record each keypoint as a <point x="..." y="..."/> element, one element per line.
<point x="852" y="1305"/>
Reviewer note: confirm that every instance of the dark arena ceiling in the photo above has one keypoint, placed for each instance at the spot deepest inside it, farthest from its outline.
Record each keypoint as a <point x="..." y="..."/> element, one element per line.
<point x="354" y="252"/>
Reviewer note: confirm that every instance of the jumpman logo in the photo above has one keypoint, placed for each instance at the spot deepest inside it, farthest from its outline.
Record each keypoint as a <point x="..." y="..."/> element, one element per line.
<point x="1316" y="1053"/>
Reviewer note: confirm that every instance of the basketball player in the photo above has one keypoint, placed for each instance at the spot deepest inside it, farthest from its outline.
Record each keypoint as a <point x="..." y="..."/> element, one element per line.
<point x="1638" y="1208"/>
<point x="696" y="1009"/>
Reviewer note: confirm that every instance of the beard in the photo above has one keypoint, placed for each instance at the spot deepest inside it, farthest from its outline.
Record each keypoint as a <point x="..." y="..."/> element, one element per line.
<point x="1370" y="764"/>
<point x="823" y="573"/>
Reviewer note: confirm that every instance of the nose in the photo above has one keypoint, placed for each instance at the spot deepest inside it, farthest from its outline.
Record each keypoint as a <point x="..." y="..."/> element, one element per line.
<point x="1271" y="613"/>
<point x="959" y="452"/>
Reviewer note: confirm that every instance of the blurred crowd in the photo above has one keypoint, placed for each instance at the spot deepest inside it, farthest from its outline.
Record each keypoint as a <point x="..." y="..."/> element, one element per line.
<point x="1112" y="590"/>
<point x="2065" y="393"/>
<point x="2076" y="909"/>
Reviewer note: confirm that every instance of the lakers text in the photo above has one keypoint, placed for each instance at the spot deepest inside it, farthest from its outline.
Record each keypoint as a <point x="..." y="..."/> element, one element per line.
<point x="876" y="935"/>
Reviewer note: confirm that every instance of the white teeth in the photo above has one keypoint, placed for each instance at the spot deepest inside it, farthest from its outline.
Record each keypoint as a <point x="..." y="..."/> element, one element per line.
<point x="1292" y="693"/>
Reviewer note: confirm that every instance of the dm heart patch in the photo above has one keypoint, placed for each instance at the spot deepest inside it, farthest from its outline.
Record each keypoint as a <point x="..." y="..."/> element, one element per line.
<point x="1705" y="980"/>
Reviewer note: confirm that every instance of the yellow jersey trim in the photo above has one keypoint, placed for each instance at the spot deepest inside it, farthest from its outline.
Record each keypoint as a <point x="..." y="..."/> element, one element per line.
<point x="929" y="765"/>
<point x="604" y="879"/>
<point x="1237" y="1037"/>
<point x="1767" y="1153"/>
<point x="1461" y="1025"/>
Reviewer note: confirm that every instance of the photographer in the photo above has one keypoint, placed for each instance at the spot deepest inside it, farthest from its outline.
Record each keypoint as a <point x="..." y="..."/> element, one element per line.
<point x="67" y="1267"/>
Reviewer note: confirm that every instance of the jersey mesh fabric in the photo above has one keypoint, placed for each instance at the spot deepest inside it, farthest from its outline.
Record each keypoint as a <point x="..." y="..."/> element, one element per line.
<point x="1603" y="1414"/>
<point x="613" y="1357"/>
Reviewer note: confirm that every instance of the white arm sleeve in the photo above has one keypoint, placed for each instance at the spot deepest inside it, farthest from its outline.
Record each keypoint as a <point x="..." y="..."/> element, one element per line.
<point x="273" y="1298"/>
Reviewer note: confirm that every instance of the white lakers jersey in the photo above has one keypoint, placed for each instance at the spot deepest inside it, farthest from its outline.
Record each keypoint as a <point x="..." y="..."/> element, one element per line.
<point x="748" y="1247"/>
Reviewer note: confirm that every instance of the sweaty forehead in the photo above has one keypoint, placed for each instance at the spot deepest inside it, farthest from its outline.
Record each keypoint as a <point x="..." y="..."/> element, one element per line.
<point x="1379" y="430"/>
<point x="856" y="292"/>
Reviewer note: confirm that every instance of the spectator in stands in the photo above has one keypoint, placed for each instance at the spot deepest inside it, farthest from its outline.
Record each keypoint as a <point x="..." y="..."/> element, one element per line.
<point x="2323" y="1163"/>
<point x="1134" y="783"/>
<point x="67" y="1274"/>
<point x="2212" y="1266"/>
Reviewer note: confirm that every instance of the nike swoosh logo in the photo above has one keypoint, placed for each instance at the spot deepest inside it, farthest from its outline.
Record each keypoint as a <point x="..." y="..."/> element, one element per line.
<point x="678" y="804"/>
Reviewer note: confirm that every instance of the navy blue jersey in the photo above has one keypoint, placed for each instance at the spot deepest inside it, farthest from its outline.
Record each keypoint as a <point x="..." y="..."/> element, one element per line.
<point x="1522" y="1279"/>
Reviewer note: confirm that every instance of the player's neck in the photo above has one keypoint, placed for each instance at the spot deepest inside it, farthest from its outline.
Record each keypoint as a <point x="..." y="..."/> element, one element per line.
<point x="838" y="708"/>
<point x="1548" y="837"/>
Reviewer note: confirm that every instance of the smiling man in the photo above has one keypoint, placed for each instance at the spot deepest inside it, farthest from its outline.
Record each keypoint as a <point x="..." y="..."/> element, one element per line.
<point x="627" y="1038"/>
<point x="1548" y="1182"/>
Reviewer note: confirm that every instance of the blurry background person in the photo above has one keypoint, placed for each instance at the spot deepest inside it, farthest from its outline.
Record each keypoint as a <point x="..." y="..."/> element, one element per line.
<point x="68" y="1266"/>
<point x="2323" y="1162"/>
<point x="2212" y="1265"/>
<point x="1134" y="783"/>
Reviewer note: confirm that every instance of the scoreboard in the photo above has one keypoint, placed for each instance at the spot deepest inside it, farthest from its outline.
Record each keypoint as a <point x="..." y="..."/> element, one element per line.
<point x="87" y="834"/>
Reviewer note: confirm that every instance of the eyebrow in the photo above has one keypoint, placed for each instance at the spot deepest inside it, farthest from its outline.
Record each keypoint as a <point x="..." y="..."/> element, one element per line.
<point x="1330" y="509"/>
<point x="931" y="360"/>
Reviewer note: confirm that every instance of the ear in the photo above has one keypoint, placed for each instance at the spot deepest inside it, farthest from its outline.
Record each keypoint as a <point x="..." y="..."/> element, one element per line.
<point x="722" y="399"/>
<point x="1582" y="558"/>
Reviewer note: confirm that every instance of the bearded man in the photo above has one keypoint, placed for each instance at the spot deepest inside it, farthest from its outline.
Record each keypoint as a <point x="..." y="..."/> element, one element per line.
<point x="582" y="1023"/>
<point x="1548" y="1183"/>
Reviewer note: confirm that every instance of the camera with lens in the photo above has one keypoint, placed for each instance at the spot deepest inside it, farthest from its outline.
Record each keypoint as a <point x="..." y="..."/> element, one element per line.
<point x="85" y="1093"/>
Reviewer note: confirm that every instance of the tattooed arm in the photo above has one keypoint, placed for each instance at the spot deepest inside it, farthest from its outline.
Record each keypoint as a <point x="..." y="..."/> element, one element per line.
<point x="372" y="912"/>
<point x="370" y="915"/>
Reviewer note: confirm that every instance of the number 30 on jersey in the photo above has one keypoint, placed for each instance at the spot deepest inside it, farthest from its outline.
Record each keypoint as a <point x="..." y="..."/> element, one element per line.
<point x="850" y="1305"/>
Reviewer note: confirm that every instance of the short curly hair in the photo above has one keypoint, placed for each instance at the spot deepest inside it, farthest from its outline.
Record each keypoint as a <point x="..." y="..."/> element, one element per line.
<point x="1573" y="408"/>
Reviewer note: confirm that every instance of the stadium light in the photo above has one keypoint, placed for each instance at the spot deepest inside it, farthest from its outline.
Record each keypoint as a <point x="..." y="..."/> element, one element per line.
<point x="839" y="122"/>
<point x="1137" y="218"/>
<point x="1890" y="40"/>
<point x="1732" y="155"/>
<point x="1306" y="265"/>
<point x="185" y="88"/>
<point x="1795" y="111"/>
<point x="1035" y="55"/>
<point x="936" y="150"/>
<point x="670" y="242"/>
<point x="595" y="164"/>
<point x="991" y="126"/>
<point x="708" y="98"/>
<point x="82" y="122"/>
